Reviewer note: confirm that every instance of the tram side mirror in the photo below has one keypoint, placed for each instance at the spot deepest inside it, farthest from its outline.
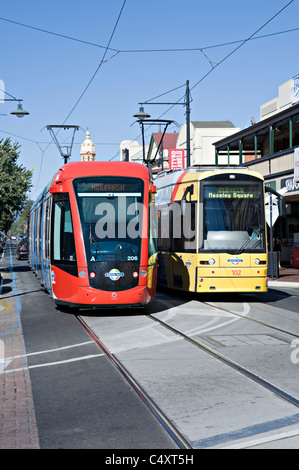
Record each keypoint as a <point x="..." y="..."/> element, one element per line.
<point x="189" y="190"/>
<point x="281" y="204"/>
<point x="282" y="208"/>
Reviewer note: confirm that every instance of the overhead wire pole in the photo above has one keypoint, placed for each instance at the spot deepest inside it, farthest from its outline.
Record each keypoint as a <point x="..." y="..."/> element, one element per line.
<point x="187" y="104"/>
<point x="188" y="123"/>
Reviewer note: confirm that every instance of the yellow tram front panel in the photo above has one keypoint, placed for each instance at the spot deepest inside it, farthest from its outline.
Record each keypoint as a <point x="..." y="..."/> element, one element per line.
<point x="228" y="273"/>
<point x="246" y="272"/>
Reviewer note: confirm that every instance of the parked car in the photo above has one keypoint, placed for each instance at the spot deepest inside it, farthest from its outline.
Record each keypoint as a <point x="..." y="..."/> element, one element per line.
<point x="22" y="249"/>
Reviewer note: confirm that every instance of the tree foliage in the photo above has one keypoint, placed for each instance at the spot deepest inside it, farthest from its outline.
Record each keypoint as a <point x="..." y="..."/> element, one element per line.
<point x="15" y="181"/>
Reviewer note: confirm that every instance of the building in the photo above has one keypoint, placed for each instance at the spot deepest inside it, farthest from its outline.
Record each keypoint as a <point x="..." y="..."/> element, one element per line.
<point x="157" y="148"/>
<point x="131" y="151"/>
<point x="87" y="152"/>
<point x="203" y="134"/>
<point x="269" y="148"/>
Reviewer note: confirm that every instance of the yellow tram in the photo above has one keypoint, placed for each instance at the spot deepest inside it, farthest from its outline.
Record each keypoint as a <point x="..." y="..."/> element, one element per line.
<point x="212" y="230"/>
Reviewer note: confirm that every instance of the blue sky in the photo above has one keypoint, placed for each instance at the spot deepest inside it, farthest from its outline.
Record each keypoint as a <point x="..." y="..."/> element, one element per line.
<point x="50" y="72"/>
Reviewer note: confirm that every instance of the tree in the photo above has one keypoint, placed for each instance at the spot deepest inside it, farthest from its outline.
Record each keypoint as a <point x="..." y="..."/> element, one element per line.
<point x="19" y="226"/>
<point x="15" y="181"/>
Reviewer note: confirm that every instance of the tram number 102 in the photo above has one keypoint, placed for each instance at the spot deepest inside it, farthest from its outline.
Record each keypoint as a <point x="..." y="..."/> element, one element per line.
<point x="236" y="272"/>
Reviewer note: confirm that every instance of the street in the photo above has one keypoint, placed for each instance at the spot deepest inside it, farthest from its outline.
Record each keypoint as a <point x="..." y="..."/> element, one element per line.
<point x="222" y="370"/>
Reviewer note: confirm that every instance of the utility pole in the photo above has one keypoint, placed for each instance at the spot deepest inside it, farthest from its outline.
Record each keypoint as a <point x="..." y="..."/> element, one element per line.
<point x="187" y="104"/>
<point x="188" y="123"/>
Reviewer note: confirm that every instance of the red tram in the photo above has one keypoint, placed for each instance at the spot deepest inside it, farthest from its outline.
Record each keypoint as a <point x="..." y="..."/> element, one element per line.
<point x="90" y="239"/>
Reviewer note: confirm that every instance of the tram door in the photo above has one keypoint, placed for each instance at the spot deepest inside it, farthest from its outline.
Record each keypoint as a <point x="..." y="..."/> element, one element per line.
<point x="47" y="245"/>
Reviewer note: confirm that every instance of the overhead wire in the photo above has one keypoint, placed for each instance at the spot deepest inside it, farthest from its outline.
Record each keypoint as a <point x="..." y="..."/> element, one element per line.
<point x="224" y="59"/>
<point x="117" y="51"/>
<point x="100" y="64"/>
<point x="184" y="49"/>
<point x="218" y="64"/>
<point x="91" y="79"/>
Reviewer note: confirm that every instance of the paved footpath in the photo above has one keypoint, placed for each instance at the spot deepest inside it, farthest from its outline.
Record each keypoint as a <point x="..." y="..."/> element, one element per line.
<point x="18" y="428"/>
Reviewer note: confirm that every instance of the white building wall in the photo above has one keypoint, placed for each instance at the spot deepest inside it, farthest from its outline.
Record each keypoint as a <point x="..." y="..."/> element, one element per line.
<point x="202" y="149"/>
<point x="135" y="150"/>
<point x="281" y="102"/>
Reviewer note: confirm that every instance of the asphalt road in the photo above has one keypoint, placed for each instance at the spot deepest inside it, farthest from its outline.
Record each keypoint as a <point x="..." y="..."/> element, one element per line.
<point x="81" y="401"/>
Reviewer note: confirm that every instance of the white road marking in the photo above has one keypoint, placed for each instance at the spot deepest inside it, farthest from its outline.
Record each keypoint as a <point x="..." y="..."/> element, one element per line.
<point x="256" y="442"/>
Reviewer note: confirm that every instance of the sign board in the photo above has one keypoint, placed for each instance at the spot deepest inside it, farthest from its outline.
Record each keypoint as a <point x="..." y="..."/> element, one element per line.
<point x="176" y="159"/>
<point x="295" y="89"/>
<point x="296" y="165"/>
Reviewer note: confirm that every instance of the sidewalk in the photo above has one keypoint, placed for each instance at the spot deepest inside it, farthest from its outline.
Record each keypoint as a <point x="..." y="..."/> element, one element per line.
<point x="18" y="428"/>
<point x="288" y="277"/>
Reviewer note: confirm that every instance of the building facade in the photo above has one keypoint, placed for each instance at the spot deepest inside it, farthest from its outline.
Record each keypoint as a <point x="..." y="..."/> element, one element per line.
<point x="269" y="148"/>
<point x="203" y="134"/>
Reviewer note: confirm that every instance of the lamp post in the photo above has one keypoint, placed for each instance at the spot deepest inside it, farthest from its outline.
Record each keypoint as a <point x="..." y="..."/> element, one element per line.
<point x="143" y="118"/>
<point x="19" y="112"/>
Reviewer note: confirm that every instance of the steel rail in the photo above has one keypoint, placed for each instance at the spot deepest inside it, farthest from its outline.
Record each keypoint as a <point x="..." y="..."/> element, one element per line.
<point x="259" y="322"/>
<point x="157" y="412"/>
<point x="251" y="375"/>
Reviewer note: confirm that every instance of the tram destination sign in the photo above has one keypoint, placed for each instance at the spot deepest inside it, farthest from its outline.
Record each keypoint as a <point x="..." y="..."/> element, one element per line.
<point x="101" y="185"/>
<point x="213" y="192"/>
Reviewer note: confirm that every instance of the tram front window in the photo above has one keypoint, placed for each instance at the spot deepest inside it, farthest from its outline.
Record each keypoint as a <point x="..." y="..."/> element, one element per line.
<point x="110" y="211"/>
<point x="233" y="217"/>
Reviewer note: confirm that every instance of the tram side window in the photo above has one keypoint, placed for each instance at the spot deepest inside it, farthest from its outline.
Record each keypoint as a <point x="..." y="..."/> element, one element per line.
<point x="63" y="235"/>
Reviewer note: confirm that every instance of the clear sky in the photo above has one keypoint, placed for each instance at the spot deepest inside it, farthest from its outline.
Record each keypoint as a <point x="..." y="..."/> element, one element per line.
<point x="150" y="52"/>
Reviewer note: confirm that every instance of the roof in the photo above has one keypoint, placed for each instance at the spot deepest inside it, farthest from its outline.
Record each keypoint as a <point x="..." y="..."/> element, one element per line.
<point x="169" y="140"/>
<point x="259" y="126"/>
<point x="213" y="124"/>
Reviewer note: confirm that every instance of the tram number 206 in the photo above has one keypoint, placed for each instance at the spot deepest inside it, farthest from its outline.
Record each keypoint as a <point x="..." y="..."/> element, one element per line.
<point x="236" y="272"/>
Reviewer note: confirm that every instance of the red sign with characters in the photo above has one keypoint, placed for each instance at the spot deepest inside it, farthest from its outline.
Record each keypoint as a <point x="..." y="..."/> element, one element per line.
<point x="176" y="159"/>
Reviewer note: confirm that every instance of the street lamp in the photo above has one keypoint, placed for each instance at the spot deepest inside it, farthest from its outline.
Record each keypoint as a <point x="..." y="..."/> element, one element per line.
<point x="19" y="112"/>
<point x="143" y="118"/>
<point x="141" y="115"/>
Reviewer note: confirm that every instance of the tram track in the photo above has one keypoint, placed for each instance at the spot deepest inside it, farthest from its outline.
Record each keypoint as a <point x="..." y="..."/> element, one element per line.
<point x="152" y="406"/>
<point x="229" y="362"/>
<point x="169" y="427"/>
<point x="253" y="320"/>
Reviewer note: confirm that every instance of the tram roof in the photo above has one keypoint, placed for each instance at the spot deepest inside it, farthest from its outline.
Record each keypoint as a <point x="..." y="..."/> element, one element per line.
<point x="175" y="176"/>
<point x="77" y="169"/>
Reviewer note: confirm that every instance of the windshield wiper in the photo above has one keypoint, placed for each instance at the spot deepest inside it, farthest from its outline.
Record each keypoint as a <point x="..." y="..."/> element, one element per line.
<point x="254" y="236"/>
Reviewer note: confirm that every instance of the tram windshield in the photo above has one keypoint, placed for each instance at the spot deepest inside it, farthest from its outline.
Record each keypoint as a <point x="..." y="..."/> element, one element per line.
<point x="110" y="211"/>
<point x="233" y="217"/>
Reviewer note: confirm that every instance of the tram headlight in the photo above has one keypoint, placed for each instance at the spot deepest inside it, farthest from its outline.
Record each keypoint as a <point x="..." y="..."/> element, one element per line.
<point x="257" y="261"/>
<point x="211" y="261"/>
